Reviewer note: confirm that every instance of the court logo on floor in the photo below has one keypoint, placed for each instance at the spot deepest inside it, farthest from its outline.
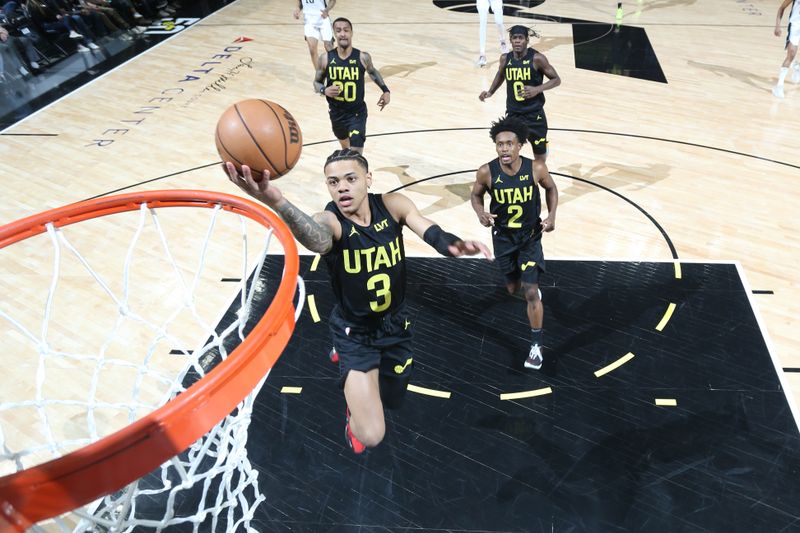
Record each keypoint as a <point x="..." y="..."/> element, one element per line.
<point x="168" y="26"/>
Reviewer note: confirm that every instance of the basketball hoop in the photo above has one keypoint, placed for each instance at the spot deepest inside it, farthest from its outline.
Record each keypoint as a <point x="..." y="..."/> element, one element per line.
<point x="216" y="405"/>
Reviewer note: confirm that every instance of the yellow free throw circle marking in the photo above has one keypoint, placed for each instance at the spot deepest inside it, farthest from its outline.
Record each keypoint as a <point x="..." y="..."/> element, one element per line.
<point x="291" y="390"/>
<point x="666" y="317"/>
<point x="428" y="392"/>
<point x="667" y="402"/>
<point x="526" y="394"/>
<point x="312" y="308"/>
<point x="613" y="366"/>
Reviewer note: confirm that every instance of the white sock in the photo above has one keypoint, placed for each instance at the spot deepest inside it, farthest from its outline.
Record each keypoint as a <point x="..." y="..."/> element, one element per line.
<point x="782" y="75"/>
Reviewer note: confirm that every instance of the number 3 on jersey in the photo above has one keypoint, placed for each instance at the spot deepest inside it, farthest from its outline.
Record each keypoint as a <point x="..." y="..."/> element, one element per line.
<point x="380" y="283"/>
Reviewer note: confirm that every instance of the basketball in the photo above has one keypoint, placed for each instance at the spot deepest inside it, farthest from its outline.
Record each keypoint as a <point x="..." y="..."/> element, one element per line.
<point x="260" y="134"/>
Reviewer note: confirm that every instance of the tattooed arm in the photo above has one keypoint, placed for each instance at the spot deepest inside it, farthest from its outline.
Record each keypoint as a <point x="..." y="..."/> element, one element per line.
<point x="316" y="232"/>
<point x="373" y="72"/>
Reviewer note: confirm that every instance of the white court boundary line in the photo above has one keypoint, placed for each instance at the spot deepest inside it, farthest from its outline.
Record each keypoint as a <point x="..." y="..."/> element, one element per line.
<point x="103" y="75"/>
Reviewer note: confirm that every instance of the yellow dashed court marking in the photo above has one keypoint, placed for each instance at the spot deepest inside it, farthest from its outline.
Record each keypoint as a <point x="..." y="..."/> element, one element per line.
<point x="291" y="390"/>
<point x="314" y="264"/>
<point x="667" y="402"/>
<point x="526" y="394"/>
<point x="429" y="392"/>
<point x="312" y="308"/>
<point x="613" y="366"/>
<point x="665" y="319"/>
<point x="677" y="270"/>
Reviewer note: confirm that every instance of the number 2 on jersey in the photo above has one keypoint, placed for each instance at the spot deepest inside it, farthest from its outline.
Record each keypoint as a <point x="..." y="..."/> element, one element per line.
<point x="380" y="283"/>
<point x="514" y="212"/>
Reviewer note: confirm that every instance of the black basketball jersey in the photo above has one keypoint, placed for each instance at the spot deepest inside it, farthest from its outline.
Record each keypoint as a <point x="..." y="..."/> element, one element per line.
<point x="367" y="265"/>
<point x="515" y="199"/>
<point x="348" y="75"/>
<point x="521" y="72"/>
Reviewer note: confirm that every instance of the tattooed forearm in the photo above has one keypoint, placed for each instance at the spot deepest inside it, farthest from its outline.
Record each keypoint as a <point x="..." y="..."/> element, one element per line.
<point x="311" y="234"/>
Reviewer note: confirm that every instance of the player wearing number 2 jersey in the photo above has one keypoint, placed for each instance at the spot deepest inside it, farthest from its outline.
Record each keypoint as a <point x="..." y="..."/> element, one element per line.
<point x="514" y="216"/>
<point x="360" y="237"/>
<point x="340" y="78"/>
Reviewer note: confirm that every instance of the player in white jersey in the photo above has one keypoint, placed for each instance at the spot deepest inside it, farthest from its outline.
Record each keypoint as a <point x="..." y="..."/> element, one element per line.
<point x="792" y="41"/>
<point x="483" y="14"/>
<point x="316" y="25"/>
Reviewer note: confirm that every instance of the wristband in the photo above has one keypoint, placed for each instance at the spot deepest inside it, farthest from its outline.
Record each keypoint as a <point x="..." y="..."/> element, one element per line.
<point x="439" y="239"/>
<point x="384" y="88"/>
<point x="322" y="91"/>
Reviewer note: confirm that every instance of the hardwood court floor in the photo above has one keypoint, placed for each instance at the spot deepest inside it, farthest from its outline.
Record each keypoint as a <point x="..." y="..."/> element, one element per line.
<point x="701" y="169"/>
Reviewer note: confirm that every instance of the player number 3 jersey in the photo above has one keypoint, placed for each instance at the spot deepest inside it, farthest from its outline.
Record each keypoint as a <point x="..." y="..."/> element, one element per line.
<point x="367" y="265"/>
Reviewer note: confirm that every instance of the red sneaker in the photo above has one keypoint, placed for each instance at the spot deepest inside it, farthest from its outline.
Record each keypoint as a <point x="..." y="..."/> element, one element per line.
<point x="334" y="356"/>
<point x="351" y="439"/>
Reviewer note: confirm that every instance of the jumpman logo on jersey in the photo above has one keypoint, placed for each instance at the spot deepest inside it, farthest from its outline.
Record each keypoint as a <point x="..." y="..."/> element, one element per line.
<point x="526" y="62"/>
<point x="353" y="231"/>
<point x="333" y="62"/>
<point x="407" y="323"/>
<point x="498" y="180"/>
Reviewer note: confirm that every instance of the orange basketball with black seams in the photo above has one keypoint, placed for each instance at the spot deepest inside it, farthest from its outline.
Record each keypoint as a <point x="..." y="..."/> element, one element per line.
<point x="260" y="134"/>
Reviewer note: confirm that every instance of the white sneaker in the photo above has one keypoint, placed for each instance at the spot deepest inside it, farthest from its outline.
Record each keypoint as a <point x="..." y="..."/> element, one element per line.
<point x="137" y="15"/>
<point x="75" y="35"/>
<point x="481" y="61"/>
<point x="35" y="65"/>
<point x="82" y="48"/>
<point x="93" y="46"/>
<point x="534" y="359"/>
<point x="777" y="91"/>
<point x="503" y="47"/>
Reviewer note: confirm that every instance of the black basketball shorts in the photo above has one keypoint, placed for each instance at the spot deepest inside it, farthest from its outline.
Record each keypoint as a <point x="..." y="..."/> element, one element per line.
<point x="517" y="261"/>
<point x="384" y="344"/>
<point x="537" y="129"/>
<point x="350" y="125"/>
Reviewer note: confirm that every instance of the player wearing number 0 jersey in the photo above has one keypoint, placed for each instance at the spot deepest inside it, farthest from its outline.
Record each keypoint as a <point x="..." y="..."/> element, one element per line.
<point x="514" y="213"/>
<point x="360" y="237"/>
<point x="340" y="78"/>
<point x="523" y="70"/>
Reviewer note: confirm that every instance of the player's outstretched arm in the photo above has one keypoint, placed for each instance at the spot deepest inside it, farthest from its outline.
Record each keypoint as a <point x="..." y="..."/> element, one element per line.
<point x="315" y="232"/>
<point x="445" y="243"/>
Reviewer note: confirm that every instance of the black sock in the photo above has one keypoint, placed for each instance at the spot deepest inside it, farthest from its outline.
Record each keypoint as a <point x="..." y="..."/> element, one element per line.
<point x="536" y="336"/>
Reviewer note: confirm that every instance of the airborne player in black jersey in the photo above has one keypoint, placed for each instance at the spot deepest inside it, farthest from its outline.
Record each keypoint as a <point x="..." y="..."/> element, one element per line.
<point x="360" y="237"/>
<point x="524" y="70"/>
<point x="514" y="213"/>
<point x="340" y="78"/>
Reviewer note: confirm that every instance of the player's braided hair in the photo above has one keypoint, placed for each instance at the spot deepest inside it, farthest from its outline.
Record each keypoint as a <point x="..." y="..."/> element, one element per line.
<point x="511" y="124"/>
<point x="348" y="154"/>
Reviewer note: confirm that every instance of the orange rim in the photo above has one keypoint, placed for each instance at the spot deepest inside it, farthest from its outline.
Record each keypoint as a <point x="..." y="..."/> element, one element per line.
<point x="60" y="485"/>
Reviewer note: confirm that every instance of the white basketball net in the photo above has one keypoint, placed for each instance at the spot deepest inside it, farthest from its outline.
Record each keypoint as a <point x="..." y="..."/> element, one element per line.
<point x="99" y="351"/>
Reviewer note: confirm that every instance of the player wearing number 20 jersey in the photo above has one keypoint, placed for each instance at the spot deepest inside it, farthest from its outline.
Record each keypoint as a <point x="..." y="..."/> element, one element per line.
<point x="340" y="78"/>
